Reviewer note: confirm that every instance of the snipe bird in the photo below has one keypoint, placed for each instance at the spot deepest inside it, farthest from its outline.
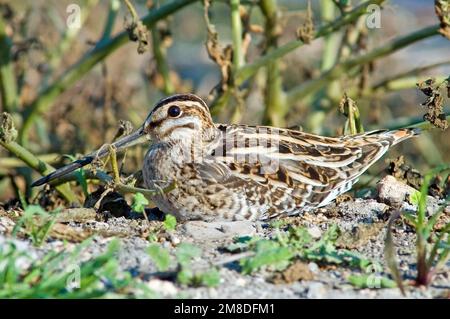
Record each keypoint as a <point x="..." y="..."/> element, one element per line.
<point x="240" y="172"/>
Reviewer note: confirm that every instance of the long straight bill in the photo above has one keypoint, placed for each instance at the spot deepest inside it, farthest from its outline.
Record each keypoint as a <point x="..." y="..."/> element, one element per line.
<point x="135" y="138"/>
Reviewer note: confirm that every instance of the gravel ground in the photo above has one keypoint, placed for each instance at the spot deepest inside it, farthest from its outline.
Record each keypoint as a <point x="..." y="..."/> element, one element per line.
<point x="362" y="222"/>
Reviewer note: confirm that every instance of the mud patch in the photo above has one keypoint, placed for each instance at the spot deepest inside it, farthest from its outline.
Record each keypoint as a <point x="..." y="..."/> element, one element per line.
<point x="296" y="272"/>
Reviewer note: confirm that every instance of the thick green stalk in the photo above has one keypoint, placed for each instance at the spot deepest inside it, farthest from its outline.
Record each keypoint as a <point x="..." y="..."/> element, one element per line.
<point x="313" y="86"/>
<point x="396" y="84"/>
<point x="13" y="162"/>
<point x="329" y="58"/>
<point x="331" y="41"/>
<point x="238" y="55"/>
<point x="114" y="6"/>
<point x="86" y="63"/>
<point x="411" y="122"/>
<point x="8" y="87"/>
<point x="42" y="167"/>
<point x="159" y="53"/>
<point x="275" y="106"/>
<point x="250" y="69"/>
<point x="386" y="83"/>
<point x="236" y="34"/>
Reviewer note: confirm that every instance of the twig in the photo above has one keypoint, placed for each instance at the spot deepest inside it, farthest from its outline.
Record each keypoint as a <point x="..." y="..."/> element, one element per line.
<point x="236" y="34"/>
<point x="411" y="122"/>
<point x="7" y="136"/>
<point x="12" y="162"/>
<point x="250" y="69"/>
<point x="114" y="166"/>
<point x="407" y="75"/>
<point x="114" y="6"/>
<point x="275" y="107"/>
<point x="159" y="53"/>
<point x="313" y="86"/>
<point x="8" y="87"/>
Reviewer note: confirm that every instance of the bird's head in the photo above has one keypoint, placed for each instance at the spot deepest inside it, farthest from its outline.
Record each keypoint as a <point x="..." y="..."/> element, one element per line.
<point x="182" y="119"/>
<point x="178" y="118"/>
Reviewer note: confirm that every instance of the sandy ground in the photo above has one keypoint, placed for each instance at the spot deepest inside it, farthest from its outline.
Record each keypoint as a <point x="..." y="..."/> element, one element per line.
<point x="362" y="222"/>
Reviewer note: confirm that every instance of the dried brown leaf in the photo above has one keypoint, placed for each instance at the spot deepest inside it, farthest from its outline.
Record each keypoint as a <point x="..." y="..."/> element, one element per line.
<point x="434" y="103"/>
<point x="306" y="31"/>
<point x="442" y="9"/>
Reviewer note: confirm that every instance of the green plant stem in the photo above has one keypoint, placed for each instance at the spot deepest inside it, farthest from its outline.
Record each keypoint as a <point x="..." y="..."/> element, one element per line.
<point x="114" y="6"/>
<point x="412" y="122"/>
<point x="42" y="167"/>
<point x="397" y="84"/>
<point x="329" y="51"/>
<point x="12" y="162"/>
<point x="411" y="74"/>
<point x="104" y="48"/>
<point x="390" y="255"/>
<point x="132" y="10"/>
<point x="313" y="86"/>
<point x="114" y="165"/>
<point x="236" y="35"/>
<point x="8" y="86"/>
<point x="159" y="53"/>
<point x="250" y="69"/>
<point x="275" y="106"/>
<point x="106" y="179"/>
<point x="238" y="56"/>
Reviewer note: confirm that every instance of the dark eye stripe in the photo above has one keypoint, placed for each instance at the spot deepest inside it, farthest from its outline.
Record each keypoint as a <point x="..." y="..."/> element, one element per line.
<point x="181" y="98"/>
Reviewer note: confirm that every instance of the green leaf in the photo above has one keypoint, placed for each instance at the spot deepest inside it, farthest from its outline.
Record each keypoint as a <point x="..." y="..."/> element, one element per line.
<point x="185" y="276"/>
<point x="160" y="256"/>
<point x="210" y="278"/>
<point x="371" y="281"/>
<point x="139" y="203"/>
<point x="186" y="252"/>
<point x="170" y="222"/>
<point x="36" y="222"/>
<point x="414" y="198"/>
<point x="267" y="253"/>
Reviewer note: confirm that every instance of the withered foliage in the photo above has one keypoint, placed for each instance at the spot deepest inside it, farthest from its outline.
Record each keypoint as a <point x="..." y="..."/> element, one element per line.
<point x="442" y="8"/>
<point x="219" y="54"/>
<point x="401" y="171"/>
<point x="439" y="186"/>
<point x="434" y="103"/>
<point x="306" y="31"/>
<point x="8" y="133"/>
<point x="137" y="31"/>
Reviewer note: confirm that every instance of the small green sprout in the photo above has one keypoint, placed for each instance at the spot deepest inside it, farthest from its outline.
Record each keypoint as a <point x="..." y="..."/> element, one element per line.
<point x="170" y="222"/>
<point x="160" y="256"/>
<point x="36" y="223"/>
<point x="139" y="203"/>
<point x="433" y="250"/>
<point x="414" y="198"/>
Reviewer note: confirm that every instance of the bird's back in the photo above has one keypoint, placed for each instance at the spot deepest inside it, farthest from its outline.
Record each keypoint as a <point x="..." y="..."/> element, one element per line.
<point x="290" y="171"/>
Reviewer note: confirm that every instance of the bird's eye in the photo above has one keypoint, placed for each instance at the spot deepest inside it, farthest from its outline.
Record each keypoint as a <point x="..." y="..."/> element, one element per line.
<point x="174" y="111"/>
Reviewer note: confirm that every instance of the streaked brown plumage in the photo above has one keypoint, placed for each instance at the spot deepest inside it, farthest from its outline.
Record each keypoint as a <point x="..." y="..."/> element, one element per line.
<point x="233" y="172"/>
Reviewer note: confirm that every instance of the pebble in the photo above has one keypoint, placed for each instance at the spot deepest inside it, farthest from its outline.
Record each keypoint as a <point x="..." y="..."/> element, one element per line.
<point x="163" y="287"/>
<point x="313" y="267"/>
<point x="203" y="231"/>
<point x="316" y="290"/>
<point x="315" y="232"/>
